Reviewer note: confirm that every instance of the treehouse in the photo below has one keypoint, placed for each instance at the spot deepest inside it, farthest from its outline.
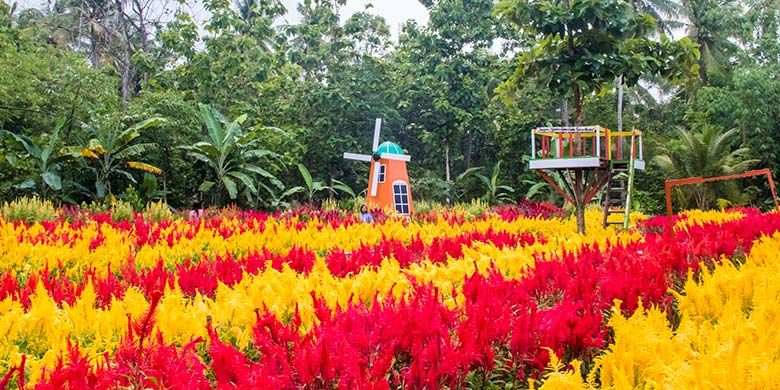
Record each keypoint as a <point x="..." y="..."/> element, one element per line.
<point x="587" y="159"/>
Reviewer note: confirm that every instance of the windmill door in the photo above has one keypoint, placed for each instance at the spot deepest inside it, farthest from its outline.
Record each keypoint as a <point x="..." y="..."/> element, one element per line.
<point x="401" y="197"/>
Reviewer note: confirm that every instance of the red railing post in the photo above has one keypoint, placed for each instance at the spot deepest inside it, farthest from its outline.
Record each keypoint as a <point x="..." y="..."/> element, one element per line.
<point x="571" y="145"/>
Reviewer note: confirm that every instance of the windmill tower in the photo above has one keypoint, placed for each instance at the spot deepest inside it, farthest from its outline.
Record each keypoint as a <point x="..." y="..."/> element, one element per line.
<point x="388" y="184"/>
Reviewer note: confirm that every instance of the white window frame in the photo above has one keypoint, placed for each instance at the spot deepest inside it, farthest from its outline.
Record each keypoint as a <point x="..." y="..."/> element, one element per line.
<point x="402" y="204"/>
<point x="382" y="172"/>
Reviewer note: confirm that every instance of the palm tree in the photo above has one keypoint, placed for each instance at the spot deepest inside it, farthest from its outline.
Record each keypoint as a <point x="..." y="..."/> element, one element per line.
<point x="705" y="153"/>
<point x="232" y="156"/>
<point x="713" y="25"/>
<point x="665" y="13"/>
<point x="108" y="150"/>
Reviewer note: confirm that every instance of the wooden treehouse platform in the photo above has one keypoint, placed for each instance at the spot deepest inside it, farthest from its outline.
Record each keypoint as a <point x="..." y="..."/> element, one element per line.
<point x="584" y="147"/>
<point x="593" y="158"/>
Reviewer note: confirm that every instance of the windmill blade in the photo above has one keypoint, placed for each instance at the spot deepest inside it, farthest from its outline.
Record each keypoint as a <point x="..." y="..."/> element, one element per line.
<point x="377" y="127"/>
<point x="358" y="157"/>
<point x="375" y="179"/>
<point x="393" y="156"/>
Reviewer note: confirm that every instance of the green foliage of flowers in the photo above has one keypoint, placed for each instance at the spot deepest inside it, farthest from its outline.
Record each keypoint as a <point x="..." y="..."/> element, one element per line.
<point x="29" y="210"/>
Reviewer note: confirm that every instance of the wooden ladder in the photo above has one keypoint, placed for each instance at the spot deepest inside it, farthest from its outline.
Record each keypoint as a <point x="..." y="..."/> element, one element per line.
<point x="617" y="197"/>
<point x="616" y="194"/>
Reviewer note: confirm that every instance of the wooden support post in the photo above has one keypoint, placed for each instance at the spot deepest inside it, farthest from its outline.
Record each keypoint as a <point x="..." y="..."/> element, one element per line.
<point x="555" y="186"/>
<point x="594" y="189"/>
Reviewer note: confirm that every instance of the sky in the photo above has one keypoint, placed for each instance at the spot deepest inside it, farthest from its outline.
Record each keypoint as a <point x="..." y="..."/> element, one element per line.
<point x="395" y="12"/>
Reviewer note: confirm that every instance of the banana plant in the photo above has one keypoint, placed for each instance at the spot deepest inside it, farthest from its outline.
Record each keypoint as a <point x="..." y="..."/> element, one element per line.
<point x="111" y="151"/>
<point x="45" y="157"/>
<point x="542" y="190"/>
<point x="312" y="187"/>
<point x="232" y="155"/>
<point x="277" y="199"/>
<point x="494" y="192"/>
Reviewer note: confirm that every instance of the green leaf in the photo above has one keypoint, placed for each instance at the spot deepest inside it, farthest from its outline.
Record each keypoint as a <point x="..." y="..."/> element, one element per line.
<point x="134" y="150"/>
<point x="100" y="189"/>
<point x="206" y="149"/>
<point x="467" y="173"/>
<point x="25" y="185"/>
<point x="292" y="191"/>
<point x="535" y="190"/>
<point x="53" y="180"/>
<point x="244" y="179"/>
<point x="126" y="174"/>
<point x="306" y="176"/>
<point x="213" y="126"/>
<point x="205" y="186"/>
<point x="27" y="143"/>
<point x="337" y="185"/>
<point x="231" y="187"/>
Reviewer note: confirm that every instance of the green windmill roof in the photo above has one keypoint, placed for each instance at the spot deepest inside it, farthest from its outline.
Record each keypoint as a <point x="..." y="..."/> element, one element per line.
<point x="389" y="147"/>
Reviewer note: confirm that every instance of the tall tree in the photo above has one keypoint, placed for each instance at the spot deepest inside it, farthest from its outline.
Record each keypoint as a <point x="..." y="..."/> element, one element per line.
<point x="582" y="46"/>
<point x="714" y="25"/>
<point x="445" y="72"/>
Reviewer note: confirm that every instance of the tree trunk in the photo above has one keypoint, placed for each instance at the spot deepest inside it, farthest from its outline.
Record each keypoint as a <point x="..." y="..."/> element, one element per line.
<point x="125" y="63"/>
<point x="577" y="106"/>
<point x="579" y="180"/>
<point x="469" y="146"/>
<point x="447" y="160"/>
<point x="579" y="200"/>
<point x="565" y="112"/>
<point x="142" y="30"/>
<point x="94" y="49"/>
<point x="620" y="103"/>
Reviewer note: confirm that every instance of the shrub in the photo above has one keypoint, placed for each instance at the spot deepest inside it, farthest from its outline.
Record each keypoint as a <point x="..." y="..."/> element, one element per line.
<point x="157" y="211"/>
<point x="121" y="211"/>
<point x="29" y="210"/>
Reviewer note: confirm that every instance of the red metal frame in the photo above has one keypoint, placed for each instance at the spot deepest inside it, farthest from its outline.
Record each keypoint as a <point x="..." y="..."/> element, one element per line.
<point x="698" y="180"/>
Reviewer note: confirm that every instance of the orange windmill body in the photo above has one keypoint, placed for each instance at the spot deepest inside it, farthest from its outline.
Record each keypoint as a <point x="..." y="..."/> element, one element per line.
<point x="388" y="184"/>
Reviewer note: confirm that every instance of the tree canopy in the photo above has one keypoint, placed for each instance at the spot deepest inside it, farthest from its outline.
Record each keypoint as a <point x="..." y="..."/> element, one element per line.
<point x="458" y="93"/>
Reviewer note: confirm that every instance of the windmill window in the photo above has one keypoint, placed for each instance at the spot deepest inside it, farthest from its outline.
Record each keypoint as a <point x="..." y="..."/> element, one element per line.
<point x="401" y="197"/>
<point x="382" y="169"/>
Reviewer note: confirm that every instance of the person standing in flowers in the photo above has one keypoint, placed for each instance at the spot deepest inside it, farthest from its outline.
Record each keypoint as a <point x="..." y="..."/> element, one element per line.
<point x="365" y="215"/>
<point x="196" y="213"/>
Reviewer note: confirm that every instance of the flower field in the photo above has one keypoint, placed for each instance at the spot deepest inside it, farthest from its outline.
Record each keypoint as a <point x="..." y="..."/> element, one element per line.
<point x="511" y="298"/>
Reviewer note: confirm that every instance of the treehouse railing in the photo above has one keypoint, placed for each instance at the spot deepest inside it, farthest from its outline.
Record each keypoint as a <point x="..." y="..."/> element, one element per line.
<point x="586" y="141"/>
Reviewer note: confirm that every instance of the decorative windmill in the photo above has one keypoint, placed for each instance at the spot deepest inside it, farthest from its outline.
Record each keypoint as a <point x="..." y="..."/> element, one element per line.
<point x="388" y="184"/>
